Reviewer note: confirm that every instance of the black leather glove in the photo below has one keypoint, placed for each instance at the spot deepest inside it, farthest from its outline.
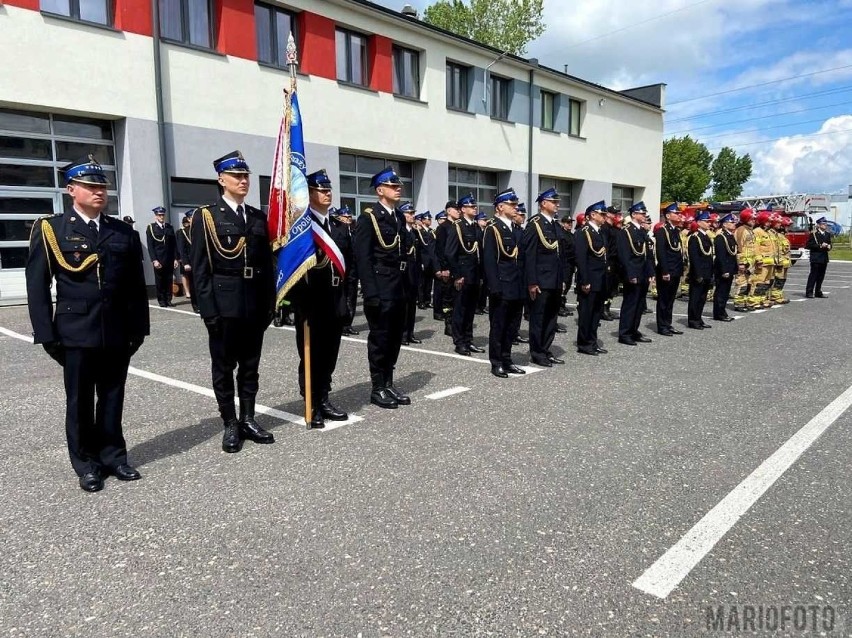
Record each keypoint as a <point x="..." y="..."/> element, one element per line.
<point x="56" y="351"/>
<point x="134" y="345"/>
<point x="214" y="325"/>
<point x="372" y="302"/>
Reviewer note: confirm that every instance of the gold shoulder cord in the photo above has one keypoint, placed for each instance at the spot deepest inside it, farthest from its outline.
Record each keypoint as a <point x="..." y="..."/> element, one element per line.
<point x="187" y="237"/>
<point x="550" y="245"/>
<point x="382" y="243"/>
<point x="153" y="236"/>
<point x="501" y="247"/>
<point x="461" y="240"/>
<point x="728" y="244"/>
<point x="638" y="253"/>
<point x="600" y="252"/>
<point x="210" y="227"/>
<point x="669" y="240"/>
<point x="50" y="242"/>
<point x="706" y="253"/>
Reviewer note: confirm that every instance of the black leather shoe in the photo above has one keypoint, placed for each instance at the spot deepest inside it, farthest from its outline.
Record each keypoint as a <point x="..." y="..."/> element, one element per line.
<point x="448" y="331"/>
<point x="647" y="311"/>
<point x="498" y="371"/>
<point x="331" y="412"/>
<point x="249" y="428"/>
<point x="125" y="472"/>
<point x="555" y="360"/>
<point x="404" y="342"/>
<point x="561" y="329"/>
<point x="349" y="332"/>
<point x="317" y="421"/>
<point x="475" y="349"/>
<point x="544" y="363"/>
<point x="438" y="316"/>
<point x="564" y="312"/>
<point x="819" y="295"/>
<point x="627" y="342"/>
<point x="513" y="369"/>
<point x="231" y="441"/>
<point x="414" y="341"/>
<point x="380" y="395"/>
<point x="196" y="310"/>
<point x="607" y="316"/>
<point x="91" y="482"/>
<point x="462" y="351"/>
<point x="170" y="304"/>
<point x="667" y="333"/>
<point x="288" y="320"/>
<point x="706" y="326"/>
<point x="674" y="331"/>
<point x="592" y="352"/>
<point x="479" y="311"/>
<point x="695" y="325"/>
<point x="521" y="339"/>
<point x="725" y="319"/>
<point x="401" y="399"/>
<point x="642" y="339"/>
<point x="600" y="350"/>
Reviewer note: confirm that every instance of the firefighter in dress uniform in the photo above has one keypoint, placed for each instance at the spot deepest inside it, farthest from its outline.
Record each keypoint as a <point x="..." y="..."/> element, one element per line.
<point x="725" y="266"/>
<point x="426" y="250"/>
<point x="590" y="249"/>
<point x="235" y="290"/>
<point x="98" y="323"/>
<point x="632" y="257"/>
<point x="463" y="259"/>
<point x="184" y="244"/>
<point x="700" y="249"/>
<point x="667" y="244"/>
<point x="381" y="254"/>
<point x="819" y="245"/>
<point x="413" y="271"/>
<point x="162" y="249"/>
<point x="566" y="252"/>
<point x="344" y="216"/>
<point x="441" y="298"/>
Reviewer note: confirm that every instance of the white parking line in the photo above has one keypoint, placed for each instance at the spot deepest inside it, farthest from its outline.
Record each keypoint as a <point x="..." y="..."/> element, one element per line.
<point x="824" y="286"/>
<point x="207" y="392"/>
<point x="447" y="393"/>
<point x="673" y="566"/>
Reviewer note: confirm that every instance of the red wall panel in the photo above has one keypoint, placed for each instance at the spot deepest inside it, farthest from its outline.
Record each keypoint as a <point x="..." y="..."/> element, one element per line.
<point x="23" y="4"/>
<point x="316" y="44"/>
<point x="134" y="16"/>
<point x="236" y="29"/>
<point x="380" y="56"/>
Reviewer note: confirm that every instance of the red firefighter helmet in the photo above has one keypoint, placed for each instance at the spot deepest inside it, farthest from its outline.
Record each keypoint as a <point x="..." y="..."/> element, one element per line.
<point x="763" y="217"/>
<point x="746" y="215"/>
<point x="581" y="218"/>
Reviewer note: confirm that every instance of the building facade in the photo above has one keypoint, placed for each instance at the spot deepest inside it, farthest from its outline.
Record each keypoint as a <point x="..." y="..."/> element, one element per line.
<point x="156" y="92"/>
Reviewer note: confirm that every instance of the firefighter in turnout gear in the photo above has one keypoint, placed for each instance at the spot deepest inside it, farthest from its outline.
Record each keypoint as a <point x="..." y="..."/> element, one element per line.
<point x="764" y="259"/>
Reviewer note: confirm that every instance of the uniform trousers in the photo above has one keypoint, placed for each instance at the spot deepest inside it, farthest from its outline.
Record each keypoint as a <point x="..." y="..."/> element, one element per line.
<point x="410" y="312"/>
<point x="666" y="293"/>
<point x="697" y="299"/>
<point x="721" y="295"/>
<point x="503" y="316"/>
<point x="190" y="285"/>
<point x="632" y="307"/>
<point x="815" y="278"/>
<point x="235" y="344"/>
<point x="385" y="338"/>
<point x="589" y="310"/>
<point x="464" y="309"/>
<point x="93" y="431"/>
<point x="544" y="311"/>
<point x="163" y="277"/>
<point x="427" y="281"/>
<point x="326" y="330"/>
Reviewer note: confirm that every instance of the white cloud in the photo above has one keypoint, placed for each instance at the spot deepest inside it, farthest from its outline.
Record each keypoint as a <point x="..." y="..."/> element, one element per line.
<point x="808" y="164"/>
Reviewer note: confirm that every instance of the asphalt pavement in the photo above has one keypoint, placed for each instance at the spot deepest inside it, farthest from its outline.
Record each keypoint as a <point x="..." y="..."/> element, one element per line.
<point x="505" y="507"/>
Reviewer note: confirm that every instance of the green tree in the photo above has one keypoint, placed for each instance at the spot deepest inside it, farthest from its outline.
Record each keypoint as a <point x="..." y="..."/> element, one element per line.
<point x="508" y="25"/>
<point x="729" y="174"/>
<point x="686" y="169"/>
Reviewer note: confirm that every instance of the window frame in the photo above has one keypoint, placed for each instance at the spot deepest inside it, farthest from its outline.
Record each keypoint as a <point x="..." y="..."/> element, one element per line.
<point x="358" y="201"/>
<point x="185" y="37"/>
<point x="74" y="13"/>
<point x="456" y="187"/>
<point x="505" y="90"/>
<point x="565" y="188"/>
<point x="404" y="52"/>
<point x="365" y="66"/>
<point x="575" y="106"/>
<point x="274" y="46"/>
<point x="463" y="85"/>
<point x="623" y="203"/>
<point x="554" y="105"/>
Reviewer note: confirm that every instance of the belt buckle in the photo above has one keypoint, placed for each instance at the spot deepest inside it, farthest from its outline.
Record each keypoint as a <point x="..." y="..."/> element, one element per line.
<point x="248" y="272"/>
<point x="403" y="266"/>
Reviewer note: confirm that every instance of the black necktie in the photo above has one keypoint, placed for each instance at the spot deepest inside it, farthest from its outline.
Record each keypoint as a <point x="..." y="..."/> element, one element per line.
<point x="93" y="227"/>
<point x="240" y="213"/>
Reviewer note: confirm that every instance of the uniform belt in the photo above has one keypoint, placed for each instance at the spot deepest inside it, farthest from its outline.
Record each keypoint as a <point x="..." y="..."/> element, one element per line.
<point x="236" y="272"/>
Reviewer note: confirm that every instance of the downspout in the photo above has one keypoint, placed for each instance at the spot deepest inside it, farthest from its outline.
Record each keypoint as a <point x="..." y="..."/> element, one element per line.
<point x="530" y="127"/>
<point x="161" y="124"/>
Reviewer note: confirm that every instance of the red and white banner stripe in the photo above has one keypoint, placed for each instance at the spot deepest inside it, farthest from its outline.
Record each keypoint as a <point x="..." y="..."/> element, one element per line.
<point x="329" y="247"/>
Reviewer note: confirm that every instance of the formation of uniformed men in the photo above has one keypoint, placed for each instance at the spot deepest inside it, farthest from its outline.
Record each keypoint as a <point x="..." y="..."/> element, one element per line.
<point x="518" y="267"/>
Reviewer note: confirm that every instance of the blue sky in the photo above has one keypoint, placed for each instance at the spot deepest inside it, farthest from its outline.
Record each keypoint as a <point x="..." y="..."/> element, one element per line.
<point x="795" y="120"/>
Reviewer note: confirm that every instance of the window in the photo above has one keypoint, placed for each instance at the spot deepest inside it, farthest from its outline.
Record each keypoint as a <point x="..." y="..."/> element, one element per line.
<point x="355" y="173"/>
<point x="483" y="185"/>
<point x="191" y="193"/>
<point x="499" y="97"/>
<point x="406" y="72"/>
<point x="273" y="29"/>
<point x="97" y="11"/>
<point x="187" y="21"/>
<point x="548" y="110"/>
<point x="575" y="108"/>
<point x="351" y="57"/>
<point x="565" y="189"/>
<point x="622" y="197"/>
<point x="458" y="89"/>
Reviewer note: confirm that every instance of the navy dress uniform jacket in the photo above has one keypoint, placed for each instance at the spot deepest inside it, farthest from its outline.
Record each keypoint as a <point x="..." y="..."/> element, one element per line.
<point x="542" y="264"/>
<point x="669" y="255"/>
<point x="590" y="251"/>
<point x="818" y="255"/>
<point x="162" y="243"/>
<point x="102" y="306"/>
<point x="501" y="260"/>
<point x="632" y="253"/>
<point x="381" y="252"/>
<point x="725" y="246"/>
<point x="700" y="248"/>
<point x="462" y="251"/>
<point x="184" y="243"/>
<point x="238" y="288"/>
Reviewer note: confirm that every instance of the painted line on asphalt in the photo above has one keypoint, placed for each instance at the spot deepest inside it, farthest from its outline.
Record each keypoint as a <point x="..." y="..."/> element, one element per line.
<point x="442" y="394"/>
<point x="805" y="286"/>
<point x="672" y="567"/>
<point x="207" y="392"/>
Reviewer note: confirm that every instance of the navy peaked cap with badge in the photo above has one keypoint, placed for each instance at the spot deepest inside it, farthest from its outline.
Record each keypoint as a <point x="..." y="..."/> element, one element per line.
<point x="319" y="180"/>
<point x="231" y="163"/>
<point x="729" y="218"/>
<point x="451" y="204"/>
<point x="424" y="215"/>
<point x="671" y="208"/>
<point x="441" y="215"/>
<point x="344" y="211"/>
<point x="159" y="210"/>
<point x="467" y="200"/>
<point x="613" y="210"/>
<point x="597" y="207"/>
<point x="508" y="196"/>
<point x="85" y="171"/>
<point x="522" y="208"/>
<point x="550" y="194"/>
<point x="822" y="220"/>
<point x="480" y="216"/>
<point x="407" y="207"/>
<point x="385" y="176"/>
<point x="638" y="207"/>
<point x="702" y="216"/>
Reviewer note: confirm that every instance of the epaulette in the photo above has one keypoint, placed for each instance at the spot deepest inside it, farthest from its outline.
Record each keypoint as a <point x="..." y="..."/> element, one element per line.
<point x="368" y="210"/>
